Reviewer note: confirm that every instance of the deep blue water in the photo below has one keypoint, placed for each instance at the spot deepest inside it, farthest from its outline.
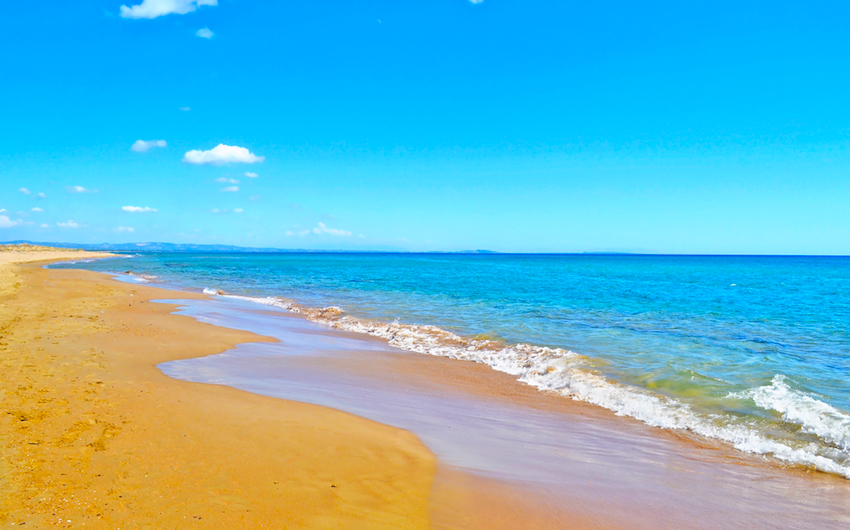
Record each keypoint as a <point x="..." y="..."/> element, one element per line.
<point x="752" y="350"/>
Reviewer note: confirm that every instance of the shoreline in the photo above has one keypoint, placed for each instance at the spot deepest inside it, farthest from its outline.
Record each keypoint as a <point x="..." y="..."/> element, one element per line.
<point x="96" y="434"/>
<point x="452" y="498"/>
<point x="567" y="460"/>
<point x="551" y="369"/>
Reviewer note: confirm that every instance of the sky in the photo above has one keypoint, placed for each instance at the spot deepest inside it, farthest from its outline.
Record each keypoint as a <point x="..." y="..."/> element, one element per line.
<point x="532" y="126"/>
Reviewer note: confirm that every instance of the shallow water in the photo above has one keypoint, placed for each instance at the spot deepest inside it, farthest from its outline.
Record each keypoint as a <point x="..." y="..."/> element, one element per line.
<point x="754" y="351"/>
<point x="615" y="469"/>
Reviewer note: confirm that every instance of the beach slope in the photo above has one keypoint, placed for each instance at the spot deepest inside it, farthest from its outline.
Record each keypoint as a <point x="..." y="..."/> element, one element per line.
<point x="93" y="434"/>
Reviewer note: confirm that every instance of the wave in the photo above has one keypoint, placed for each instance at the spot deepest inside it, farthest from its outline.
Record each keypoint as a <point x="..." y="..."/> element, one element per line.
<point x="141" y="278"/>
<point x="812" y="415"/>
<point x="569" y="374"/>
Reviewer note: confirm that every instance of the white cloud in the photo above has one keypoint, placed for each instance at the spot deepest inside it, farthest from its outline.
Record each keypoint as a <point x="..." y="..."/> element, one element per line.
<point x="204" y="33"/>
<point x="225" y="179"/>
<point x="138" y="209"/>
<point x="254" y="197"/>
<point x="476" y="1"/>
<point x="251" y="175"/>
<point x="141" y="146"/>
<point x="158" y="8"/>
<point x="288" y="232"/>
<point x="5" y="222"/>
<point x="304" y="232"/>
<point x="37" y="209"/>
<point x="125" y="229"/>
<point x="231" y="188"/>
<point x="44" y="225"/>
<point x="79" y="189"/>
<point x="322" y="229"/>
<point x="68" y="224"/>
<point x="222" y="154"/>
<point x="185" y="109"/>
<point x="24" y="191"/>
<point x="238" y="210"/>
<point x="41" y="196"/>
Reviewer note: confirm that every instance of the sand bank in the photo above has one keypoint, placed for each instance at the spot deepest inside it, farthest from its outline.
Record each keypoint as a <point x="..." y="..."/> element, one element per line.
<point x="17" y="254"/>
<point x="94" y="435"/>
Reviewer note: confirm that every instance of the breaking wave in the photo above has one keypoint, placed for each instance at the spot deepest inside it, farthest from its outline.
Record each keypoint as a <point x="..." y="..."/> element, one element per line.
<point x="814" y="417"/>
<point x="825" y="446"/>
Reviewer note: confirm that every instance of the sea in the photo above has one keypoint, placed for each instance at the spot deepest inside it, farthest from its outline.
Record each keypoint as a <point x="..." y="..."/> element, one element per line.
<point x="753" y="351"/>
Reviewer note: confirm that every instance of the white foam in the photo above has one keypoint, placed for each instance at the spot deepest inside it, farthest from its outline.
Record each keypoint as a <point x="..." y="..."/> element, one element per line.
<point x="570" y="374"/>
<point x="814" y="416"/>
<point x="141" y="278"/>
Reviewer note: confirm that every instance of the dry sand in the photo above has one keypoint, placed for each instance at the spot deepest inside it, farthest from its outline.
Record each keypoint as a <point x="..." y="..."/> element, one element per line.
<point x="94" y="435"/>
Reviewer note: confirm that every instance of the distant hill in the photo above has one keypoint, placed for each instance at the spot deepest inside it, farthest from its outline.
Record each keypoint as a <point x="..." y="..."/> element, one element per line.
<point x="156" y="247"/>
<point x="186" y="247"/>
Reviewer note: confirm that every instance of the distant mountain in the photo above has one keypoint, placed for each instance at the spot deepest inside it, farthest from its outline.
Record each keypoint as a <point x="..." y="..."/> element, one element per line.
<point x="185" y="247"/>
<point x="154" y="247"/>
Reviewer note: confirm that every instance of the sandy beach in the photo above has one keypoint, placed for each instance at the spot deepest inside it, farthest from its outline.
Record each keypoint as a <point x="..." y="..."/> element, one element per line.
<point x="94" y="435"/>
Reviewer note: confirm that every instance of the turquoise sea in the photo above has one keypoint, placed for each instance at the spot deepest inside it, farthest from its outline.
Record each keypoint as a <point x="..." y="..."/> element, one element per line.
<point x="754" y="351"/>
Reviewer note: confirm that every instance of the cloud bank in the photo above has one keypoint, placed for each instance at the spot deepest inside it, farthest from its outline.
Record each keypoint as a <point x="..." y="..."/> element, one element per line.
<point x="158" y="8"/>
<point x="138" y="209"/>
<point x="142" y="146"/>
<point x="5" y="222"/>
<point x="222" y="154"/>
<point x="68" y="224"/>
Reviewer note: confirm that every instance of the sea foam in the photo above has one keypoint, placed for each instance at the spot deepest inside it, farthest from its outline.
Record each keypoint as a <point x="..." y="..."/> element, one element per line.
<point x="571" y="375"/>
<point x="812" y="415"/>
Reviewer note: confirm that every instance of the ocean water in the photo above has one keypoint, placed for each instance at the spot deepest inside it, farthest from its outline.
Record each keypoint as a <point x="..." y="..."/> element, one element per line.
<point x="754" y="351"/>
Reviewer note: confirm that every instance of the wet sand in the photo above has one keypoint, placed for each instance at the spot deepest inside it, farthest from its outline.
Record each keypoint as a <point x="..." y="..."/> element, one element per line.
<point x="94" y="435"/>
<point x="511" y="456"/>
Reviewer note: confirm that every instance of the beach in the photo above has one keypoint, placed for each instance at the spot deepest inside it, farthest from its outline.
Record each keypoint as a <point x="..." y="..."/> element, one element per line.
<point x="94" y="435"/>
<point x="351" y="433"/>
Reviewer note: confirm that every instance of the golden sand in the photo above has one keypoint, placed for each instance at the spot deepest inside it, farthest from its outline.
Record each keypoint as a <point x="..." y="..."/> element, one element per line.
<point x="94" y="435"/>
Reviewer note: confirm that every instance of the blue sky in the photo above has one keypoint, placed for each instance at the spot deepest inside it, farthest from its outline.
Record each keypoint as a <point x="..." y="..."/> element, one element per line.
<point x="534" y="126"/>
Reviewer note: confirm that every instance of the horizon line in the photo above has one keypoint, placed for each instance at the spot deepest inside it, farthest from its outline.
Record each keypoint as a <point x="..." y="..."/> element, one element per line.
<point x="238" y="249"/>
